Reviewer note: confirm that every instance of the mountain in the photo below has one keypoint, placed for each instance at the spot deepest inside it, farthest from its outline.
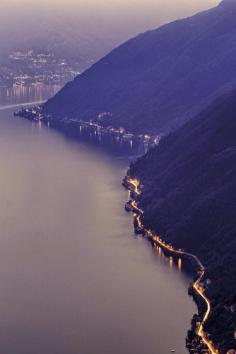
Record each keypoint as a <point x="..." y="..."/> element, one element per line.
<point x="159" y="79"/>
<point x="189" y="197"/>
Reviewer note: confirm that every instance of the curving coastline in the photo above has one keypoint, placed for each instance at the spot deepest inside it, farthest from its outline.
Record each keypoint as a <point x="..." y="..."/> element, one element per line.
<point x="133" y="185"/>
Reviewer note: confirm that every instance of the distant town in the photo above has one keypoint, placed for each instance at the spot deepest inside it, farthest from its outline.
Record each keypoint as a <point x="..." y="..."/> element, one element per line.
<point x="93" y="127"/>
<point x="29" y="68"/>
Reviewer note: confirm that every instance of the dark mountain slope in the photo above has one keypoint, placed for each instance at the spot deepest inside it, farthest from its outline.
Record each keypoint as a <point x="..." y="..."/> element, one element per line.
<point x="159" y="78"/>
<point x="189" y="197"/>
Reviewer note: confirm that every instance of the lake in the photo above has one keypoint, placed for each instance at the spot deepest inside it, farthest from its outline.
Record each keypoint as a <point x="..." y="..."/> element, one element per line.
<point x="74" y="278"/>
<point x="23" y="94"/>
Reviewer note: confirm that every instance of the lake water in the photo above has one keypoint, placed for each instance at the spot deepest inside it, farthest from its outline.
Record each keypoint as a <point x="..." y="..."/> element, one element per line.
<point x="74" y="278"/>
<point x="23" y="94"/>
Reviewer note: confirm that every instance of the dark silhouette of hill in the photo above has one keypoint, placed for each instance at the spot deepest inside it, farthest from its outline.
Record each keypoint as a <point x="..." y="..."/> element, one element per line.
<point x="159" y="79"/>
<point x="189" y="197"/>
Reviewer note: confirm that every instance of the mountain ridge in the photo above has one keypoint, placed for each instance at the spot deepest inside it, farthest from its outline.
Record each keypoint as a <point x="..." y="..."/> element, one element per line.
<point x="189" y="198"/>
<point x="159" y="79"/>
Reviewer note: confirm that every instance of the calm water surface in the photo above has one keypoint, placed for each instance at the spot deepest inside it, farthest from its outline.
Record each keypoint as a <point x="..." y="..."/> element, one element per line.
<point x="74" y="279"/>
<point x="23" y="94"/>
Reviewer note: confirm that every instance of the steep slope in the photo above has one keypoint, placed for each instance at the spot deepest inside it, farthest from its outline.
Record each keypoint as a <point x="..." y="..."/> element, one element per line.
<point x="160" y="78"/>
<point x="189" y="197"/>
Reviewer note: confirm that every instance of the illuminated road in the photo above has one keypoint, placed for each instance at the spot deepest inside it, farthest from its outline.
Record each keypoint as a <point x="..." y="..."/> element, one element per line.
<point x="134" y="187"/>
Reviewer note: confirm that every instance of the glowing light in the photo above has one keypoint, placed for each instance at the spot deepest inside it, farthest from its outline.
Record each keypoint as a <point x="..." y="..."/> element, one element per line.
<point x="180" y="264"/>
<point x="163" y="245"/>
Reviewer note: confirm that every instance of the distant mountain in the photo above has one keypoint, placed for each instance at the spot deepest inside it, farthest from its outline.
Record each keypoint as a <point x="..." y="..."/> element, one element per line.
<point x="43" y="29"/>
<point x="161" y="78"/>
<point x="82" y="30"/>
<point x="189" y="197"/>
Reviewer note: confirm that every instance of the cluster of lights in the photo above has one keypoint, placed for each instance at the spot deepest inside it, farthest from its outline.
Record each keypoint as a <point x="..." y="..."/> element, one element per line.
<point x="134" y="184"/>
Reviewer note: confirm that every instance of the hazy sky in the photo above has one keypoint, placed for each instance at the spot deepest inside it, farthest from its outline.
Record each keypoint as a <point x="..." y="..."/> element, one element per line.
<point x="149" y="13"/>
<point x="128" y="16"/>
<point x="99" y="25"/>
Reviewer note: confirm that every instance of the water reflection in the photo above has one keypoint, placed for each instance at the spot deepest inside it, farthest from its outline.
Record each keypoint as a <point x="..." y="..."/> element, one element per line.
<point x="24" y="94"/>
<point x="171" y="262"/>
<point x="180" y="264"/>
<point x="73" y="280"/>
<point x="117" y="145"/>
<point x="21" y="95"/>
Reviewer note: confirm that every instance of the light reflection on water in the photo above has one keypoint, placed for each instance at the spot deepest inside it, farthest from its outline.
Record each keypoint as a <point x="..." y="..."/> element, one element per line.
<point x="23" y="94"/>
<point x="180" y="264"/>
<point x="73" y="279"/>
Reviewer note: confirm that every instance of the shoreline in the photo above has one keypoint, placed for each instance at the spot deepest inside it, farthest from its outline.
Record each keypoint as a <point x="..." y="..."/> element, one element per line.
<point x="15" y="105"/>
<point x="196" y="290"/>
<point x="200" y="340"/>
<point x="95" y="127"/>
